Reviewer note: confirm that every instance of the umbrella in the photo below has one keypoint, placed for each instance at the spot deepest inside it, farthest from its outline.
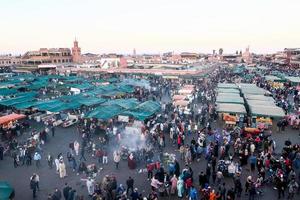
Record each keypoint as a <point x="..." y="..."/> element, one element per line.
<point x="6" y="191"/>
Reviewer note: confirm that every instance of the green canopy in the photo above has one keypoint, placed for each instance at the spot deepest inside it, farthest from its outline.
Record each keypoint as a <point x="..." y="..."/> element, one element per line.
<point x="25" y="105"/>
<point x="138" y="115"/>
<point x="105" y="112"/>
<point x="46" y="105"/>
<point x="124" y="103"/>
<point x="229" y="95"/>
<point x="6" y="91"/>
<point x="143" y="110"/>
<point x="126" y="88"/>
<point x="148" y="106"/>
<point x="83" y="86"/>
<point x="258" y="97"/>
<point x="6" y="190"/>
<point x="13" y="101"/>
<point x="228" y="90"/>
<point x="227" y="85"/>
<point x="112" y="93"/>
<point x="251" y="89"/>
<point x="71" y="97"/>
<point x="231" y="108"/>
<point x="109" y="87"/>
<point x="266" y="111"/>
<point x="91" y="101"/>
<point x="64" y="106"/>
<point x="293" y="79"/>
<point x="224" y="99"/>
<point x="260" y="102"/>
<point x="112" y="80"/>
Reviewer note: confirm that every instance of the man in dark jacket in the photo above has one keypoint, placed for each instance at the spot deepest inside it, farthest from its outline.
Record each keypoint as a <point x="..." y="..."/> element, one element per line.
<point x="66" y="191"/>
<point x="53" y="130"/>
<point x="129" y="184"/>
<point x="33" y="186"/>
<point x="71" y="195"/>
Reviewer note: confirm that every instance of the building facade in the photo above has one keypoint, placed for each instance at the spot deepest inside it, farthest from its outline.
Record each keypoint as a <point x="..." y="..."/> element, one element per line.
<point x="8" y="60"/>
<point x="292" y="57"/>
<point x="47" y="56"/>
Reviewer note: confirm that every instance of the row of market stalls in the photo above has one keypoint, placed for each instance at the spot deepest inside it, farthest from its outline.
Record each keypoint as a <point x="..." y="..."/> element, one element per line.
<point x="101" y="99"/>
<point x="278" y="80"/>
<point x="183" y="96"/>
<point x="275" y="77"/>
<point x="236" y="101"/>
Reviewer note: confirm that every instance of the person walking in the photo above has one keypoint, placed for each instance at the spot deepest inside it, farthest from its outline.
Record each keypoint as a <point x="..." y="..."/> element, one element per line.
<point x="37" y="158"/>
<point x="37" y="180"/>
<point x="33" y="186"/>
<point x="117" y="159"/>
<point x="53" y="130"/>
<point x="76" y="147"/>
<point x="62" y="169"/>
<point x="90" y="184"/>
<point x="129" y="183"/>
<point x="173" y="184"/>
<point x="66" y="191"/>
<point x="105" y="157"/>
<point x="56" y="161"/>
<point x="50" y="161"/>
<point x="82" y="154"/>
<point x="16" y="160"/>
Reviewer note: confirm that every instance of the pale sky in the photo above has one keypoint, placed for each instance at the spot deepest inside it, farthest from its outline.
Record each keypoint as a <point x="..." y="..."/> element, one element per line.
<point x="156" y="26"/>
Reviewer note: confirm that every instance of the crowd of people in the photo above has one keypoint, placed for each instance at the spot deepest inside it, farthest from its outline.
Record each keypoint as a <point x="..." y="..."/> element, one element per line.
<point x="236" y="164"/>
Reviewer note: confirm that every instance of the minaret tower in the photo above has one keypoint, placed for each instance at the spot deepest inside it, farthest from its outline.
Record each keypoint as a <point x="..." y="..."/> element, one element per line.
<point x="76" y="52"/>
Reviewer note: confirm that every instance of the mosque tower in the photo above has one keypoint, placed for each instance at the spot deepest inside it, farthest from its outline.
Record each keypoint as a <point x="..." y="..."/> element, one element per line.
<point x="76" y="52"/>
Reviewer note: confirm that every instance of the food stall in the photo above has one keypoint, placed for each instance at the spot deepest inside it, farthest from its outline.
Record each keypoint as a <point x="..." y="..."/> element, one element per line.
<point x="9" y="120"/>
<point x="231" y="113"/>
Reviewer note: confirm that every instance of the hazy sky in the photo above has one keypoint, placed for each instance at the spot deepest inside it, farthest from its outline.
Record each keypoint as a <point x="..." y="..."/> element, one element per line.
<point x="152" y="26"/>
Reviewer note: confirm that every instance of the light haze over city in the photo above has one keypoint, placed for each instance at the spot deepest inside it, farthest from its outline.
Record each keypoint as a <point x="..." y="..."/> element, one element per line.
<point x="153" y="26"/>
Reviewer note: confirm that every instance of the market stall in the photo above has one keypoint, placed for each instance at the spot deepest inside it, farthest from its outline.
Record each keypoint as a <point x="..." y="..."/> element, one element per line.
<point x="8" y="120"/>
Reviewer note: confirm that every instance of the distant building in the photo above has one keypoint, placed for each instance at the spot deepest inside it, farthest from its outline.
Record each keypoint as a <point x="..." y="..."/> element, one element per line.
<point x="90" y="58"/>
<point x="246" y="56"/>
<point x="76" y="53"/>
<point x="5" y="60"/>
<point x="47" y="56"/>
<point x="230" y="58"/>
<point x="187" y="57"/>
<point x="292" y="57"/>
<point x="9" y="60"/>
